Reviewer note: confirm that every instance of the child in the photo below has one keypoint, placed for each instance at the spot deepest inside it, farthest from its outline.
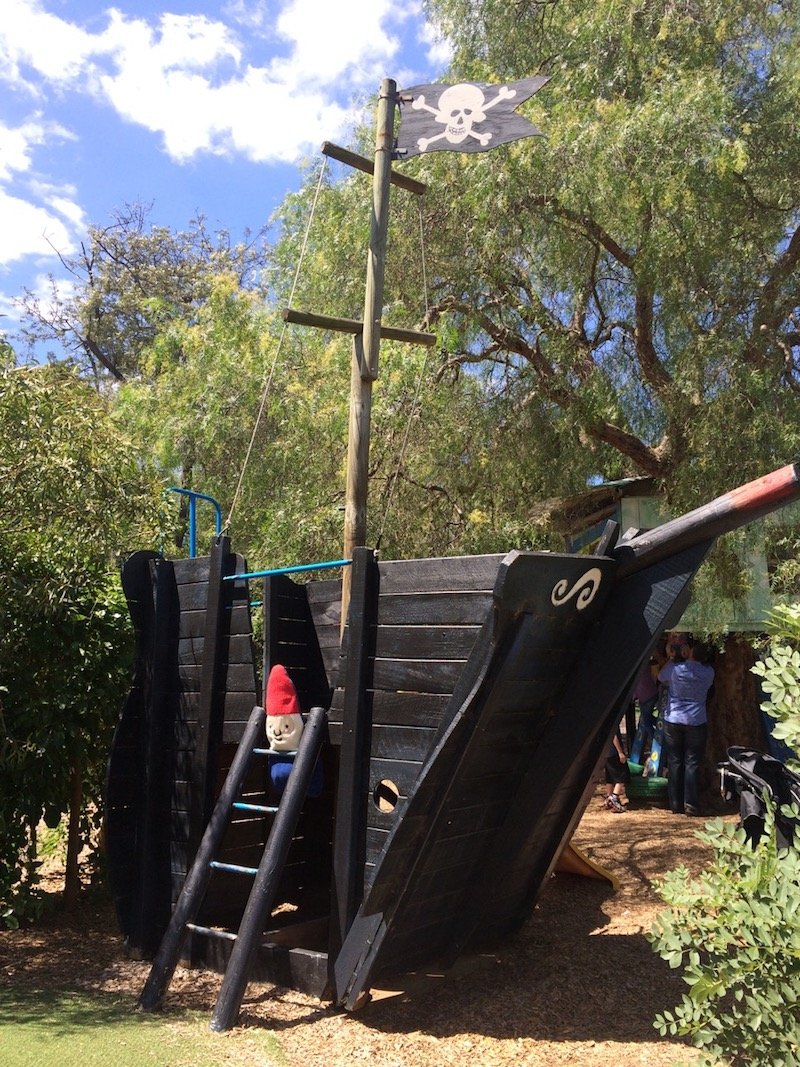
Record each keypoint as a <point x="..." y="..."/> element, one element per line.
<point x="618" y="774"/>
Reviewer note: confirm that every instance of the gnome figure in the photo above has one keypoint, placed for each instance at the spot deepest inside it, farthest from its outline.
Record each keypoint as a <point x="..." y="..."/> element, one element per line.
<point x="284" y="730"/>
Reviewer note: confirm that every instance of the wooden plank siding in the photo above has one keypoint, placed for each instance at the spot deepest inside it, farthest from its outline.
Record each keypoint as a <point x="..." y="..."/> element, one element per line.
<point x="194" y="686"/>
<point x="291" y="637"/>
<point x="420" y="903"/>
<point x="325" y="605"/>
<point x="423" y="619"/>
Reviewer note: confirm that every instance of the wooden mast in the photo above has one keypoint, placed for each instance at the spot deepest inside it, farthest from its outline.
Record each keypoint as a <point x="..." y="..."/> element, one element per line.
<point x="368" y="333"/>
<point x="365" y="354"/>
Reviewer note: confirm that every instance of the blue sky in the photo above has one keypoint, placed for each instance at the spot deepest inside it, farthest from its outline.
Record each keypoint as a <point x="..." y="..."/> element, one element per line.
<point x="190" y="106"/>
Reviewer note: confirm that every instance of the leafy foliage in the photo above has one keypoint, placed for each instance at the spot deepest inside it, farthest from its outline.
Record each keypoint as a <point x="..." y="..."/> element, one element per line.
<point x="648" y="286"/>
<point x="433" y="449"/>
<point x="780" y="671"/>
<point x="623" y="292"/>
<point x="129" y="279"/>
<point x="734" y="931"/>
<point x="72" y="495"/>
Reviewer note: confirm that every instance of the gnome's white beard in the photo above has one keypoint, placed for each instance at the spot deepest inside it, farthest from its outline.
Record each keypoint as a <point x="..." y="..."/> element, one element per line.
<point x="284" y="731"/>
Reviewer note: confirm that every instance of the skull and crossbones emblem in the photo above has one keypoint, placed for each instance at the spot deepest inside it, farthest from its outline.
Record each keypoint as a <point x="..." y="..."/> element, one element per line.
<point x="460" y="108"/>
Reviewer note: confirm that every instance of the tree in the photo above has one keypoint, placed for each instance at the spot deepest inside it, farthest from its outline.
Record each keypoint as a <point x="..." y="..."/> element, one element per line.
<point x="198" y="400"/>
<point x="73" y="495"/>
<point x="476" y="466"/>
<point x="625" y="289"/>
<point x="130" y="278"/>
<point x="636" y="270"/>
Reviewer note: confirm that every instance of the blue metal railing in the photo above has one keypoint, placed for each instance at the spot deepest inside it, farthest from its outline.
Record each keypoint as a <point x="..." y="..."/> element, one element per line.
<point x="193" y="498"/>
<point x="326" y="566"/>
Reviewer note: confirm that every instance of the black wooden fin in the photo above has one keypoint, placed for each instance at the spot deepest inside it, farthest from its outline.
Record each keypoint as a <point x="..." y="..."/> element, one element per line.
<point x="608" y="538"/>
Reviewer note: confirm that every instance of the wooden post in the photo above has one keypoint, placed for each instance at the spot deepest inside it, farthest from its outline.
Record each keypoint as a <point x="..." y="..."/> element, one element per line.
<point x="350" y="828"/>
<point x="210" y="711"/>
<point x="363" y="374"/>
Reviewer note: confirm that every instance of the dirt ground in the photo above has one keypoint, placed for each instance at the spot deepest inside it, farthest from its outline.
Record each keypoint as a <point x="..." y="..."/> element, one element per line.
<point x="579" y="984"/>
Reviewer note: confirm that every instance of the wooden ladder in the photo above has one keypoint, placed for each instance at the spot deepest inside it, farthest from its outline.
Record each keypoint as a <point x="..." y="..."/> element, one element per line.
<point x="266" y="876"/>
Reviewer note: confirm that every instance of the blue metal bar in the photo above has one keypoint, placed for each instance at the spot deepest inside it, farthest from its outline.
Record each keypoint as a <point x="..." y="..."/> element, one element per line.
<point x="193" y="498"/>
<point x="241" y="806"/>
<point x="289" y="570"/>
<point x="232" y="868"/>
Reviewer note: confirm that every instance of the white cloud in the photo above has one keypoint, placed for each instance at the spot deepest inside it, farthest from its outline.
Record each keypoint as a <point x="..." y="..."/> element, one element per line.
<point x="329" y="39"/>
<point x="15" y="147"/>
<point x="192" y="80"/>
<point x="18" y="142"/>
<point x="30" y="230"/>
<point x="269" y="112"/>
<point x="180" y="43"/>
<point x="30" y="37"/>
<point x="439" y="50"/>
<point x="254" y="15"/>
<point x="267" y="80"/>
<point x="36" y="217"/>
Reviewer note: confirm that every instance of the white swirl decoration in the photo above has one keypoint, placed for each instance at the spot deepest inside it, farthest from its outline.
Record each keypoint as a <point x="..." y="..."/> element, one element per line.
<point x="584" y="589"/>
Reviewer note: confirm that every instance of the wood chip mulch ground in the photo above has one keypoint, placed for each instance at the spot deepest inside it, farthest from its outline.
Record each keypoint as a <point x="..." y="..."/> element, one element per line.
<point x="579" y="984"/>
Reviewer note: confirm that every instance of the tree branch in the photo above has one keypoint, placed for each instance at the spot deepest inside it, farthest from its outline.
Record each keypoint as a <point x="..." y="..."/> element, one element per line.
<point x="771" y="308"/>
<point x="591" y="228"/>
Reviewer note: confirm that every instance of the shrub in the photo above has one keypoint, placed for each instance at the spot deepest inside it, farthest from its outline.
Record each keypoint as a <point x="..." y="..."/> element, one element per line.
<point x="73" y="494"/>
<point x="735" y="932"/>
<point x="780" y="671"/>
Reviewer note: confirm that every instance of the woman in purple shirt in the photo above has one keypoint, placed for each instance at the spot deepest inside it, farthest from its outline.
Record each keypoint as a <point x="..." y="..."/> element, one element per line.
<point x="685" y="724"/>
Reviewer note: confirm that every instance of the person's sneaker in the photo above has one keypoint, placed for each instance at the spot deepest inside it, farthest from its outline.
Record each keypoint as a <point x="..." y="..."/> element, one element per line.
<point x="613" y="803"/>
<point x="691" y="810"/>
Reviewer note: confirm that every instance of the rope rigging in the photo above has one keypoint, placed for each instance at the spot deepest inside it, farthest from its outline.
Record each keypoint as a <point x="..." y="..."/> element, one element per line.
<point x="415" y="405"/>
<point x="268" y="383"/>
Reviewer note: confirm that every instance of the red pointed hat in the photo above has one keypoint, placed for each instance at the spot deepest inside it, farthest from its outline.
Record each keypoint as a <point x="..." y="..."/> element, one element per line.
<point x="281" y="693"/>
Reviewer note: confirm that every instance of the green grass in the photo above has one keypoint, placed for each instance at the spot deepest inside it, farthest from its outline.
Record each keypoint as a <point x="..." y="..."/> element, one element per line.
<point x="39" y="1028"/>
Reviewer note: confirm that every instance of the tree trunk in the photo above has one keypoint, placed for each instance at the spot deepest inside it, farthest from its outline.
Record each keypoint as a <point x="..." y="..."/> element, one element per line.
<point x="72" y="881"/>
<point x="733" y="711"/>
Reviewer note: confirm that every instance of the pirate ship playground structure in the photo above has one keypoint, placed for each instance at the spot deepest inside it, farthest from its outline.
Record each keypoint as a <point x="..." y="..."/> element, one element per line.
<point x="459" y="708"/>
<point x="468" y="705"/>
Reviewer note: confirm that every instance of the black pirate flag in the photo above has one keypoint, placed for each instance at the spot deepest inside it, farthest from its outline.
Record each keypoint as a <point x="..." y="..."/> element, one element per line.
<point x="468" y="117"/>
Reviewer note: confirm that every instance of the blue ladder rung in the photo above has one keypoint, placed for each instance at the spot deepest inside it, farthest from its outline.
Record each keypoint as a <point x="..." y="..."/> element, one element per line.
<point x="273" y="752"/>
<point x="255" y="807"/>
<point x="233" y="868"/>
<point x="223" y="935"/>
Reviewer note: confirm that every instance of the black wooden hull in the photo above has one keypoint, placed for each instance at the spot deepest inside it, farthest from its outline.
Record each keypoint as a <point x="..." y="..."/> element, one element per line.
<point x="478" y="694"/>
<point x="498" y="795"/>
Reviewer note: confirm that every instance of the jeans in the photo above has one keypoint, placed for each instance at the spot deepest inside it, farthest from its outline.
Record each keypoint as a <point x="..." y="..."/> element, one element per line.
<point x="685" y="746"/>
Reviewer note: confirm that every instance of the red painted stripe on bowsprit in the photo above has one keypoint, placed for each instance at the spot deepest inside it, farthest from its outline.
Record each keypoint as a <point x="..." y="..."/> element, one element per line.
<point x="770" y="489"/>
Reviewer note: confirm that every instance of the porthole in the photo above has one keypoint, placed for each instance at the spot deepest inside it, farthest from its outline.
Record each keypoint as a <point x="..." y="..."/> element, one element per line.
<point x="386" y="795"/>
